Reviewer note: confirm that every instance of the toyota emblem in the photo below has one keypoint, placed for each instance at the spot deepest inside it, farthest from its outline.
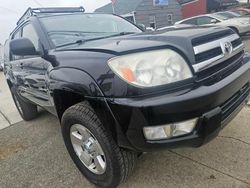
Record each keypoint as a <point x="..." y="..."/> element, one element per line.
<point x="228" y="48"/>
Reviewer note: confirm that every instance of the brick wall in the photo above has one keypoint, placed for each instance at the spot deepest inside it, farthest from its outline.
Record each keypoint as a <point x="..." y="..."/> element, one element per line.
<point x="194" y="8"/>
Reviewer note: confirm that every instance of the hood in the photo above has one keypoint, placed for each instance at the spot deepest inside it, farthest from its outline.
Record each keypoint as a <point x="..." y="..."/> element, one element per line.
<point x="180" y="39"/>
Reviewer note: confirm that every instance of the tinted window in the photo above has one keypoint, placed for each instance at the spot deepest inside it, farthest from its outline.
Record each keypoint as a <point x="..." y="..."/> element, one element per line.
<point x="16" y="35"/>
<point x="30" y="33"/>
<point x="204" y="20"/>
<point x="190" y="21"/>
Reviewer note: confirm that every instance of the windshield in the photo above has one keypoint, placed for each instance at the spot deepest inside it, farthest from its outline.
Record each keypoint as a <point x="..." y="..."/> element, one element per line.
<point x="227" y="15"/>
<point x="65" y="29"/>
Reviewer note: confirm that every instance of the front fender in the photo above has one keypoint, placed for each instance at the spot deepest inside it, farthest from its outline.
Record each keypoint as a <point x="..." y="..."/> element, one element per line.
<point x="79" y="82"/>
<point x="73" y="80"/>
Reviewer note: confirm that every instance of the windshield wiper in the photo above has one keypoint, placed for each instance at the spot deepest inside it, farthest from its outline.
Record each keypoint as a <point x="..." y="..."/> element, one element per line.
<point x="81" y="41"/>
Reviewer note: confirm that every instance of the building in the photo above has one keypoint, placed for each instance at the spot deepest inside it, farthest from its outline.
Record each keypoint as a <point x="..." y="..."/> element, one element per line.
<point x="191" y="8"/>
<point x="161" y="13"/>
<point x="218" y="5"/>
<point x="151" y="13"/>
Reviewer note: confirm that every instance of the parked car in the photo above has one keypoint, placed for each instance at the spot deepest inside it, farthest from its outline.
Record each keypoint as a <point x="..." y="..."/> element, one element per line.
<point x="118" y="91"/>
<point x="242" y="11"/>
<point x="241" y="25"/>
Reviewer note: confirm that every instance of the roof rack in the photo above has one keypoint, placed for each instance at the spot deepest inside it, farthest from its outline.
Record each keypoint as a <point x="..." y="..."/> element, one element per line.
<point x="51" y="10"/>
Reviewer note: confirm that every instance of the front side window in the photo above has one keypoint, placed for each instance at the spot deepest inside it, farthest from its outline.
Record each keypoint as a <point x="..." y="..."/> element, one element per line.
<point x="64" y="29"/>
<point x="16" y="35"/>
<point x="205" y="20"/>
<point x="30" y="33"/>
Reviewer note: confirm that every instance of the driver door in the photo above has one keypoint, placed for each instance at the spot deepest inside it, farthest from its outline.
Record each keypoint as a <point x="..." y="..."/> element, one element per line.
<point x="34" y="69"/>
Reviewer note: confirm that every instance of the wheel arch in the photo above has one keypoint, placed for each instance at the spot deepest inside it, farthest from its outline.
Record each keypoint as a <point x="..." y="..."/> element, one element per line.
<point x="72" y="86"/>
<point x="234" y="29"/>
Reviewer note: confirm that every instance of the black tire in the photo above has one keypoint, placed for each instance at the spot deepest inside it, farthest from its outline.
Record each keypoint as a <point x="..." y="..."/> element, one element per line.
<point x="28" y="111"/>
<point x="119" y="162"/>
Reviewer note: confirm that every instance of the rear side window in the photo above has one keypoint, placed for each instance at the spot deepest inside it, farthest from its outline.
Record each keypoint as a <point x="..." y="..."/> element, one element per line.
<point x="30" y="33"/>
<point x="204" y="20"/>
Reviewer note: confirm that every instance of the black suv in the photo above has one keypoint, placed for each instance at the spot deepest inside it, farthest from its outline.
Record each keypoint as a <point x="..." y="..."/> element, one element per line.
<point x="119" y="91"/>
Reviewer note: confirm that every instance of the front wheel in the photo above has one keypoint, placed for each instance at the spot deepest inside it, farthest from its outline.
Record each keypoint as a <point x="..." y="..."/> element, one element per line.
<point x="93" y="149"/>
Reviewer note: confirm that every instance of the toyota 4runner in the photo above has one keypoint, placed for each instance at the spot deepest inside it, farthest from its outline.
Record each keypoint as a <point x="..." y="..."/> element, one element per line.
<point x="119" y="91"/>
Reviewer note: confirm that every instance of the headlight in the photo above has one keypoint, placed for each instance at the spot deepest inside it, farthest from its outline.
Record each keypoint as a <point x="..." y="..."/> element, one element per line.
<point x="153" y="68"/>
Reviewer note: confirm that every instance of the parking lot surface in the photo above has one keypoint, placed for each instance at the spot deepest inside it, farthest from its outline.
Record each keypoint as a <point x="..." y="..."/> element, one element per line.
<point x="32" y="154"/>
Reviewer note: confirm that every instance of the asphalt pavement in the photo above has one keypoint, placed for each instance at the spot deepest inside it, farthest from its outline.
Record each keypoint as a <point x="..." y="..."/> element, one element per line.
<point x="32" y="154"/>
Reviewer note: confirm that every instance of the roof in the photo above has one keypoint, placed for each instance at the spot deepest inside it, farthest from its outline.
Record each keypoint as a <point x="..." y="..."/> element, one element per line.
<point x="121" y="7"/>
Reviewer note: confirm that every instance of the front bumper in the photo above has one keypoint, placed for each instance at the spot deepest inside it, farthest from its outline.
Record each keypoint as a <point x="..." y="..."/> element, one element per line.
<point x="215" y="106"/>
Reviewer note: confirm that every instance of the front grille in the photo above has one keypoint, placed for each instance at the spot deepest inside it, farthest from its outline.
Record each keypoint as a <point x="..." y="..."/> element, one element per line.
<point x="220" y="71"/>
<point x="235" y="101"/>
<point x="218" y="57"/>
<point x="236" y="42"/>
<point x="215" y="51"/>
<point x="208" y="54"/>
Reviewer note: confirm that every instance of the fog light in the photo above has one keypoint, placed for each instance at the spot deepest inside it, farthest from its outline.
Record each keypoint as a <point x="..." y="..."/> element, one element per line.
<point x="169" y="130"/>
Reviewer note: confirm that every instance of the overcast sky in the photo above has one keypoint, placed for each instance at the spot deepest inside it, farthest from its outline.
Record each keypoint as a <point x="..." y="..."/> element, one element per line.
<point x="11" y="10"/>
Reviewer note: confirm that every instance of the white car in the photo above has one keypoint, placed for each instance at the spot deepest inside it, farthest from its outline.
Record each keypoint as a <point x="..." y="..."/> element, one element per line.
<point x="241" y="25"/>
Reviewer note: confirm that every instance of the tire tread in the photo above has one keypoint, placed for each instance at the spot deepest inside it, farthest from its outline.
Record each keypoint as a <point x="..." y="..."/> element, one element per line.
<point x="126" y="158"/>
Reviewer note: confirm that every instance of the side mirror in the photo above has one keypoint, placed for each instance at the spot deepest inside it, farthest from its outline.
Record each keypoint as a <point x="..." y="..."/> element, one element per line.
<point x="213" y="21"/>
<point x="142" y="27"/>
<point x="22" y="47"/>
